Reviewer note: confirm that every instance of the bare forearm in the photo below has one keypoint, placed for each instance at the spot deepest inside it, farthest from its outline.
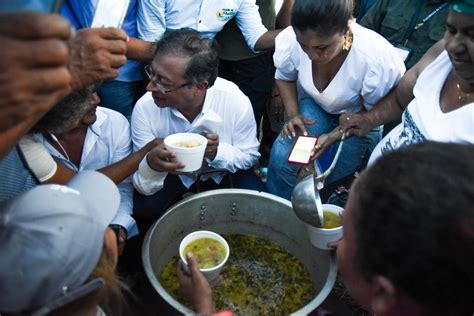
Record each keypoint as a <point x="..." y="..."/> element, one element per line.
<point x="283" y="18"/>
<point x="120" y="170"/>
<point x="387" y="110"/>
<point x="266" y="41"/>
<point x="63" y="174"/>
<point x="288" y="96"/>
<point x="140" y="50"/>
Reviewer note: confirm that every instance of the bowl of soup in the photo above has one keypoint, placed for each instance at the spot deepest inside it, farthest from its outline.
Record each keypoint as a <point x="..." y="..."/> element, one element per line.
<point x="331" y="230"/>
<point x="210" y="250"/>
<point x="189" y="149"/>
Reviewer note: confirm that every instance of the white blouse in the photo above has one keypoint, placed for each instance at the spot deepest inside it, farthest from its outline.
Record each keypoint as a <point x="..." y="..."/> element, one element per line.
<point x="369" y="71"/>
<point x="423" y="119"/>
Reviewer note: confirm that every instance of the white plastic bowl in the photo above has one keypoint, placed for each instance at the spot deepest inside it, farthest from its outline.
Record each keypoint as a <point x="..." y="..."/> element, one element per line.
<point x="210" y="273"/>
<point x="320" y="237"/>
<point x="192" y="156"/>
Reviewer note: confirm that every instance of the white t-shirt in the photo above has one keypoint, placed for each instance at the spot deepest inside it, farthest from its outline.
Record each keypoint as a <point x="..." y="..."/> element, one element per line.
<point x="208" y="17"/>
<point x="369" y="71"/>
<point x="107" y="141"/>
<point x="423" y="118"/>
<point x="226" y="112"/>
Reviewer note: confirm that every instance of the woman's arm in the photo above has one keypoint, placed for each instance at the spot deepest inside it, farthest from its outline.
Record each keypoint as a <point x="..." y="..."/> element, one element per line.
<point x="390" y="107"/>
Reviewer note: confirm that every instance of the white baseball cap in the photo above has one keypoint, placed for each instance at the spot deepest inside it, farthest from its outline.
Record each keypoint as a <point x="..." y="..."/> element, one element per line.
<point x="51" y="239"/>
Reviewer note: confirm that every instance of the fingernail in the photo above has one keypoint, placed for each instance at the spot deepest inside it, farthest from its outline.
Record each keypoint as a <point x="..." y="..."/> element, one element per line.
<point x="305" y="134"/>
<point x="293" y="134"/>
<point x="189" y="255"/>
<point x="289" y="137"/>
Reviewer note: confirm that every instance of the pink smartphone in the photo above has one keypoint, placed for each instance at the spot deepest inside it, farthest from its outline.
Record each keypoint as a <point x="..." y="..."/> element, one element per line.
<point x="302" y="149"/>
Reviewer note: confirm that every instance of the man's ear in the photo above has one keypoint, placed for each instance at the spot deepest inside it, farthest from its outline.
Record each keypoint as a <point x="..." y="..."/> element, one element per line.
<point x="202" y="86"/>
<point x="384" y="295"/>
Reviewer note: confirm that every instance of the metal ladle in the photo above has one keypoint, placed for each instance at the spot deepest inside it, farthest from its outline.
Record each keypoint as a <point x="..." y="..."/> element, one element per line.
<point x="305" y="198"/>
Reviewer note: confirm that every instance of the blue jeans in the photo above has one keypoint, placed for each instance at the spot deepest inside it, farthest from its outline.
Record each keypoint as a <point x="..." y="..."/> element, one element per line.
<point x="282" y="175"/>
<point x="119" y="96"/>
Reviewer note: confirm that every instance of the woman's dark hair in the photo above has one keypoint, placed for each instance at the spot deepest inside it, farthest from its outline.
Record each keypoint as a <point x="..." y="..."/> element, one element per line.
<point x="414" y="224"/>
<point x="324" y="17"/>
<point x="186" y="42"/>
<point x="70" y="108"/>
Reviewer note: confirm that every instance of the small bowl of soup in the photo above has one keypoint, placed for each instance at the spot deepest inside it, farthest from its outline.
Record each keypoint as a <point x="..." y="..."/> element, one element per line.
<point x="210" y="250"/>
<point x="189" y="149"/>
<point x="331" y="230"/>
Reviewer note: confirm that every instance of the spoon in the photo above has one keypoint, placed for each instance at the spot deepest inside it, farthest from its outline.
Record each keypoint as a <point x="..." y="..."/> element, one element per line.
<point x="305" y="198"/>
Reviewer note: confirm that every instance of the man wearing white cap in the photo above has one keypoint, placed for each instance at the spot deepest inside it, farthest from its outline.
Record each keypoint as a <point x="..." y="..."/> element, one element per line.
<point x="59" y="255"/>
<point x="52" y="239"/>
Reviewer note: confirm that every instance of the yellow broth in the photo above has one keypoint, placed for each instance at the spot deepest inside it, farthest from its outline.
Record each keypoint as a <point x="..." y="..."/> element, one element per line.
<point x="207" y="251"/>
<point x="260" y="278"/>
<point x="331" y="220"/>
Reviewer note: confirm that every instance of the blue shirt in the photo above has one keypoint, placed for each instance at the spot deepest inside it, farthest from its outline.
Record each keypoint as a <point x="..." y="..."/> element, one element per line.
<point x="80" y="13"/>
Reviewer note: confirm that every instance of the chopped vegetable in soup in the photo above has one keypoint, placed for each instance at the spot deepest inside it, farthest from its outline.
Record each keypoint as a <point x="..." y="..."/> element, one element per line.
<point x="260" y="278"/>
<point x="331" y="220"/>
<point x="208" y="252"/>
<point x="187" y="144"/>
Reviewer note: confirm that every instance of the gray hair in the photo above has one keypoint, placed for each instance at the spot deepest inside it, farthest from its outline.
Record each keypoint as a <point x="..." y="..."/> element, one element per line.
<point x="74" y="106"/>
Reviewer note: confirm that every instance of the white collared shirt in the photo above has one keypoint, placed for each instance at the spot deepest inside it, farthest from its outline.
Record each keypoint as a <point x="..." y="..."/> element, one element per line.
<point x="107" y="141"/>
<point x="226" y="112"/>
<point x="208" y="17"/>
<point x="370" y="70"/>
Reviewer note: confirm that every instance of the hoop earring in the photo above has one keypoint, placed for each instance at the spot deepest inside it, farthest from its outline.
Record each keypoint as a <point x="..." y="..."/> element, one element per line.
<point x="348" y="38"/>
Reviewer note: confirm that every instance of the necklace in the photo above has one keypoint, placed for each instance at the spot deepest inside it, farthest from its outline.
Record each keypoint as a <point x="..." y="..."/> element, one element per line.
<point x="60" y="145"/>
<point x="462" y="96"/>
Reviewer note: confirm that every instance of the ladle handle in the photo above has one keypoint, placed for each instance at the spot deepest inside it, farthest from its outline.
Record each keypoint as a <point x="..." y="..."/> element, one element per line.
<point x="334" y="161"/>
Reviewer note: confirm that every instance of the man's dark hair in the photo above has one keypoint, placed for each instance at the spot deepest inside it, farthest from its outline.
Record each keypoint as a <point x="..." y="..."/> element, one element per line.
<point x="69" y="109"/>
<point x="414" y="224"/>
<point x="186" y="42"/>
<point x="324" y="17"/>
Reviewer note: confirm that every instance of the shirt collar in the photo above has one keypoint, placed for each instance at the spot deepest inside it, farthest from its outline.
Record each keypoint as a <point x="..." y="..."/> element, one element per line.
<point x="101" y="117"/>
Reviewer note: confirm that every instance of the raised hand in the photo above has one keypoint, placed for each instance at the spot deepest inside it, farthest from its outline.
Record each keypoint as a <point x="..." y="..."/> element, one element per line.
<point x="33" y="63"/>
<point x="96" y="55"/>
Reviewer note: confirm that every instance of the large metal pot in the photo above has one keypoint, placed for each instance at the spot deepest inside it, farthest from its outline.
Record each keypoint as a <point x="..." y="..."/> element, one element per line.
<point x="236" y="211"/>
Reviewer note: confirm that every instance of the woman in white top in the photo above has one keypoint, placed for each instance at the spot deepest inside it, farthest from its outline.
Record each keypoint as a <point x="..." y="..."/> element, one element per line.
<point x="436" y="95"/>
<point x="327" y="65"/>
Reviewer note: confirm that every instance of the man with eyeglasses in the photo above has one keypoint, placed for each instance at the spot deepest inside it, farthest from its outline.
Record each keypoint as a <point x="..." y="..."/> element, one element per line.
<point x="185" y="95"/>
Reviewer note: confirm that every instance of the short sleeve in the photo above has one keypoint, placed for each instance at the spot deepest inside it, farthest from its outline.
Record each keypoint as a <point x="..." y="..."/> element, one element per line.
<point x="286" y="56"/>
<point x="250" y="23"/>
<point x="381" y="78"/>
<point x="151" y="20"/>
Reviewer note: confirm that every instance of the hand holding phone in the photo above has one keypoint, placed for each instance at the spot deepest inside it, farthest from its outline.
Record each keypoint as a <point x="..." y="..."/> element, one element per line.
<point x="302" y="150"/>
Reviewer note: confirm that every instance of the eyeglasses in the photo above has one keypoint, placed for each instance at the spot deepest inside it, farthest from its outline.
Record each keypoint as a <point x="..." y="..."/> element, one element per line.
<point x="159" y="86"/>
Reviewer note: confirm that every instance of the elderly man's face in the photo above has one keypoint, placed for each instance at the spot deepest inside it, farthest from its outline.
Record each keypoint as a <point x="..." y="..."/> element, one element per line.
<point x="90" y="117"/>
<point x="459" y="39"/>
<point x="168" y="86"/>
